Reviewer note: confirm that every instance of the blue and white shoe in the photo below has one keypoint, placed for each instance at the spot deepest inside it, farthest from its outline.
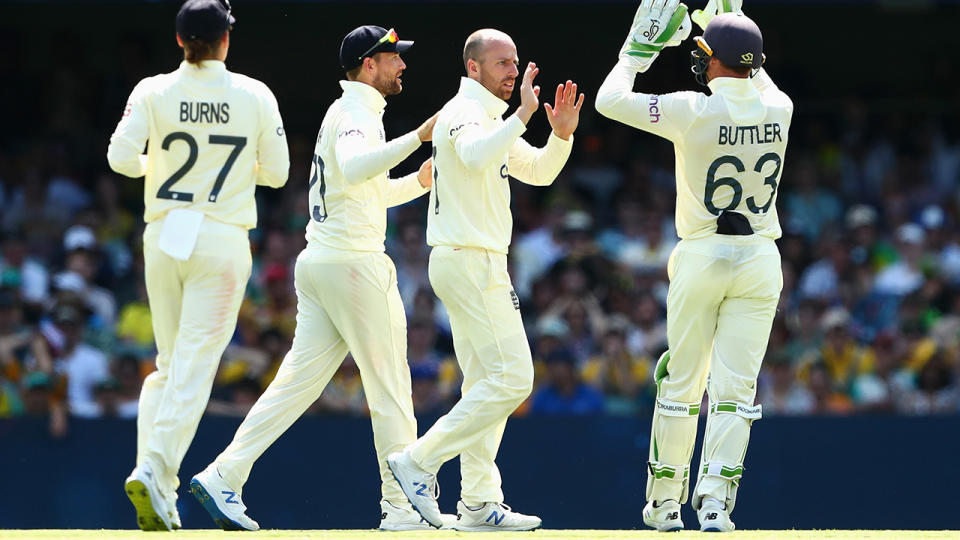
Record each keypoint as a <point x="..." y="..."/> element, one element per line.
<point x="493" y="516"/>
<point x="418" y="485"/>
<point x="714" y="517"/>
<point x="664" y="517"/>
<point x="395" y="517"/>
<point x="220" y="501"/>
<point x="143" y="491"/>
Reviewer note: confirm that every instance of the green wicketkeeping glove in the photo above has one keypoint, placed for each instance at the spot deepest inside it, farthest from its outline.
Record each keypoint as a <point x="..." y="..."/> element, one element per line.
<point x="714" y="8"/>
<point x="656" y="24"/>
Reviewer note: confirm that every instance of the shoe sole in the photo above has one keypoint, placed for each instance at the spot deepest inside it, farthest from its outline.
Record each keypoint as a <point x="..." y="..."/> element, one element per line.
<point x="494" y="529"/>
<point x="415" y="509"/>
<point x="200" y="493"/>
<point x="147" y="517"/>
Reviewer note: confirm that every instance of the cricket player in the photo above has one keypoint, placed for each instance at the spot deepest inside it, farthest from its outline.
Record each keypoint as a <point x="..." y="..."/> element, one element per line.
<point x="214" y="136"/>
<point x="347" y="296"/>
<point x="469" y="226"/>
<point x="724" y="274"/>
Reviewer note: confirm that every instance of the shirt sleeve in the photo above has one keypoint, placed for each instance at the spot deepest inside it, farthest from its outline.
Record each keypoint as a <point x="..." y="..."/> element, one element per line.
<point x="538" y="166"/>
<point x="404" y="189"/>
<point x="125" y="152"/>
<point x="667" y="115"/>
<point x="358" y="161"/>
<point x="479" y="149"/>
<point x="273" y="156"/>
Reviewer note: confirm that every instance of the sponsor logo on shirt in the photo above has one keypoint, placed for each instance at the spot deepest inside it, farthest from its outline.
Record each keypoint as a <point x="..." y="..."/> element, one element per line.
<point x="350" y="133"/>
<point x="515" y="299"/>
<point x="654" y="109"/>
<point x="461" y="126"/>
<point x="504" y="172"/>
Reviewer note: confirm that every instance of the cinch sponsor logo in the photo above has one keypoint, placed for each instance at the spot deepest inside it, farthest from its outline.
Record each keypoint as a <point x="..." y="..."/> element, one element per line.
<point x="350" y="132"/>
<point x="654" y="109"/>
<point x="461" y="126"/>
<point x="504" y="172"/>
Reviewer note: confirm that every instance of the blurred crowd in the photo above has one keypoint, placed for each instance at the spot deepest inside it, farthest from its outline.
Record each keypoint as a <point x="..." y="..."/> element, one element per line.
<point x="869" y="320"/>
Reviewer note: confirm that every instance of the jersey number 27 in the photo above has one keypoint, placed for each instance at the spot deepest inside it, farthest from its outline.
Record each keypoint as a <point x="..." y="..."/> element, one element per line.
<point x="166" y="189"/>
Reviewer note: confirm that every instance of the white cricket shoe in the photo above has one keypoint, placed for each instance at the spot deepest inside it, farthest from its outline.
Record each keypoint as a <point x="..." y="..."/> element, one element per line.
<point x="418" y="485"/>
<point x="153" y="513"/>
<point x="405" y="518"/>
<point x="664" y="517"/>
<point x="714" y="517"/>
<point x="493" y="516"/>
<point x="173" y="512"/>
<point x="220" y="501"/>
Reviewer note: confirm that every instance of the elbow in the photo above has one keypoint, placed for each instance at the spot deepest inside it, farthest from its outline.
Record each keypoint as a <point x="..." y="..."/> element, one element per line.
<point x="605" y="102"/>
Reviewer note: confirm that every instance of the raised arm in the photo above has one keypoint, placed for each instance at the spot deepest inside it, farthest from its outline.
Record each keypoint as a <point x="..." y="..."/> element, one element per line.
<point x="478" y="150"/>
<point x="540" y="166"/>
<point x="359" y="163"/>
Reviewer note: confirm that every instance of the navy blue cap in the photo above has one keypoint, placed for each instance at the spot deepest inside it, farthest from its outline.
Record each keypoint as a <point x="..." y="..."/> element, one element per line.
<point x="367" y="41"/>
<point x="735" y="40"/>
<point x="206" y="20"/>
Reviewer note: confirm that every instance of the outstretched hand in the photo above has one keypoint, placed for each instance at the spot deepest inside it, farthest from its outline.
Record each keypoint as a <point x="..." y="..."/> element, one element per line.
<point x="529" y="93"/>
<point x="564" y="115"/>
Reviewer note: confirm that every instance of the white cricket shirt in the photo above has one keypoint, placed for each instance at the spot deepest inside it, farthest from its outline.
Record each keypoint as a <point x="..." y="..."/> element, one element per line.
<point x="474" y="153"/>
<point x="214" y="136"/>
<point x="730" y="146"/>
<point x="349" y="188"/>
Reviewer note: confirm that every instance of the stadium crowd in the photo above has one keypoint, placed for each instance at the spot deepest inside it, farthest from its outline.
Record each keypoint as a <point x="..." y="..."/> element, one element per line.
<point x="869" y="320"/>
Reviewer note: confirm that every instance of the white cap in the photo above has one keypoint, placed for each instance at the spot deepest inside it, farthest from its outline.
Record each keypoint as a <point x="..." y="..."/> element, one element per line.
<point x="910" y="233"/>
<point x="79" y="237"/>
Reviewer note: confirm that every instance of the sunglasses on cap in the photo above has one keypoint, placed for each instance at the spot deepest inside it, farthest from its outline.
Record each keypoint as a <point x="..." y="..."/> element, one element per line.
<point x="390" y="37"/>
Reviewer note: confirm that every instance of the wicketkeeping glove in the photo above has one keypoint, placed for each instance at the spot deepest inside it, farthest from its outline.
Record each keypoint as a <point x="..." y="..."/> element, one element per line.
<point x="714" y="8"/>
<point x="656" y="24"/>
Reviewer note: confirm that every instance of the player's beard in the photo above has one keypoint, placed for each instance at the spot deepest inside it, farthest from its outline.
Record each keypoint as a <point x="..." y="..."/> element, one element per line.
<point x="389" y="84"/>
<point x="496" y="86"/>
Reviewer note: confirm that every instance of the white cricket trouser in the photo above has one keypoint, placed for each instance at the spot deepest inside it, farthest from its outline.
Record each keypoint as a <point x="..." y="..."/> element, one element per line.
<point x="194" y="306"/>
<point x="494" y="355"/>
<point x="721" y="303"/>
<point x="346" y="301"/>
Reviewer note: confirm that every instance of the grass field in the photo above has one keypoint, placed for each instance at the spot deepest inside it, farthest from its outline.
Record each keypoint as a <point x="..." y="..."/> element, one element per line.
<point x="537" y="535"/>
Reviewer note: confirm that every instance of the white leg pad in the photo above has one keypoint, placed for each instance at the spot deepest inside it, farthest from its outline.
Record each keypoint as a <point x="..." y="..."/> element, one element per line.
<point x="724" y="448"/>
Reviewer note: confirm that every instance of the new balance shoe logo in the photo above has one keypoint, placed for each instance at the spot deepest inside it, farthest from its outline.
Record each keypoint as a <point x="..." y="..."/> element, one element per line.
<point x="230" y="497"/>
<point x="673" y="515"/>
<point x="383" y="515"/>
<point x="496" y="517"/>
<point x="712" y="515"/>
<point x="420" y="489"/>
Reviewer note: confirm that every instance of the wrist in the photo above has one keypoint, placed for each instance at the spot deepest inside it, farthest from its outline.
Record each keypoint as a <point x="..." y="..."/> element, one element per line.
<point x="564" y="135"/>
<point x="524" y="113"/>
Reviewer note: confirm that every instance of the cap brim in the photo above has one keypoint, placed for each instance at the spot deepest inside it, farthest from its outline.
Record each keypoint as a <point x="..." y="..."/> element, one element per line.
<point x="403" y="45"/>
<point x="232" y="20"/>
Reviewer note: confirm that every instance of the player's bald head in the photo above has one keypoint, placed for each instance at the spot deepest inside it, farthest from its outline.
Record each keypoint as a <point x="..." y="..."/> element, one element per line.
<point x="479" y="41"/>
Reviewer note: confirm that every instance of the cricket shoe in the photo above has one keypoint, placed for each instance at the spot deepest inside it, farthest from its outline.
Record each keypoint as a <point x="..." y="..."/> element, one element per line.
<point x="418" y="485"/>
<point x="398" y="518"/>
<point x="664" y="517"/>
<point x="493" y="516"/>
<point x="220" y="501"/>
<point x="714" y="517"/>
<point x="153" y="513"/>
<point x="173" y="512"/>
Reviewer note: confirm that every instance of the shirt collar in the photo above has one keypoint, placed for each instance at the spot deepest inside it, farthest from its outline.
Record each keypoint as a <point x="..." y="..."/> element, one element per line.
<point x="365" y="94"/>
<point x="733" y="87"/>
<point x="206" y="68"/>
<point x="493" y="105"/>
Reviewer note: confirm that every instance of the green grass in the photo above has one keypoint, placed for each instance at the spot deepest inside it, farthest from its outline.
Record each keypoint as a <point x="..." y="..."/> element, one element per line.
<point x="537" y="535"/>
